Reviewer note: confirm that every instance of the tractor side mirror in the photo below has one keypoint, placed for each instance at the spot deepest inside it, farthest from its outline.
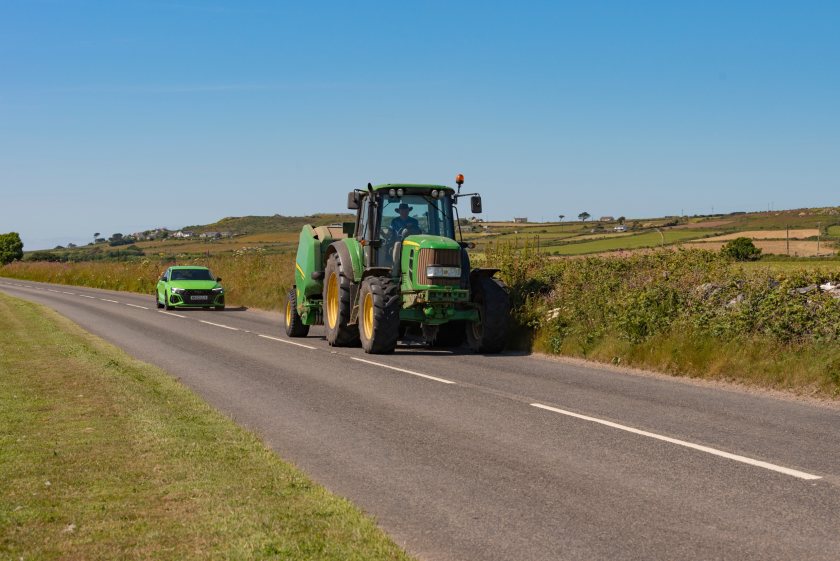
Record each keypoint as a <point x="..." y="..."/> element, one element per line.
<point x="475" y="204"/>
<point x="349" y="228"/>
<point x="352" y="200"/>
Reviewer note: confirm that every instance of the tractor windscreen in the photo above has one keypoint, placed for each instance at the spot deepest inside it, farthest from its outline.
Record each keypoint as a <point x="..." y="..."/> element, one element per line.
<point x="417" y="214"/>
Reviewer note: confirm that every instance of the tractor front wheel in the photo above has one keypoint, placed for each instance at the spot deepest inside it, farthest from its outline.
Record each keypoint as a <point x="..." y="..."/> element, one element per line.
<point x="292" y="320"/>
<point x="338" y="304"/>
<point x="489" y="333"/>
<point x="379" y="315"/>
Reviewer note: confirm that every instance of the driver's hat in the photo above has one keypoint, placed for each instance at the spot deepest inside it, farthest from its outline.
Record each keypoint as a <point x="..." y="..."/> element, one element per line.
<point x="404" y="206"/>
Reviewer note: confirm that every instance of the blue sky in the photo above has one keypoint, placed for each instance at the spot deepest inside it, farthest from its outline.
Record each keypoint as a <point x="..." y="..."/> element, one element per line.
<point x="120" y="116"/>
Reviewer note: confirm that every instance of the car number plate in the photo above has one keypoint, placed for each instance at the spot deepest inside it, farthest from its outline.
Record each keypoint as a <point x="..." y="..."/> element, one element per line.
<point x="199" y="297"/>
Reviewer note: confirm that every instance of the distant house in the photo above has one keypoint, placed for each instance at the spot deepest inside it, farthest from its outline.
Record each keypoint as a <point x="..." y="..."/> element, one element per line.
<point x="521" y="220"/>
<point x="182" y="234"/>
<point x="607" y="219"/>
<point x="621" y="228"/>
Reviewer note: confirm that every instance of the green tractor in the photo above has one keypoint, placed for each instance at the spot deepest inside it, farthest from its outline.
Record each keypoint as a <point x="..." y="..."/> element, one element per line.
<point x="397" y="269"/>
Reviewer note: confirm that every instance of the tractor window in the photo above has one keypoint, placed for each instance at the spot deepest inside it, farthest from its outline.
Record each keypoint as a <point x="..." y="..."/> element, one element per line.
<point x="419" y="214"/>
<point x="361" y="227"/>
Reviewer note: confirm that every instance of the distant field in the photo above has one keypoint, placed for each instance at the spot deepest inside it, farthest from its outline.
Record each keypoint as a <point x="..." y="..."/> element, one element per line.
<point x="822" y="266"/>
<point x="647" y="239"/>
<point x="798" y="248"/>
<point x="834" y="231"/>
<point x="769" y="235"/>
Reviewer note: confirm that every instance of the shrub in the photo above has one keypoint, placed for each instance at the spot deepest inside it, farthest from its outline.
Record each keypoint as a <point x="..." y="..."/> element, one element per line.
<point x="741" y="249"/>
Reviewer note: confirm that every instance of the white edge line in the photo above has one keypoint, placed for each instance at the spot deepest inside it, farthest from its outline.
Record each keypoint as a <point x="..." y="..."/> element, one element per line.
<point x="441" y="380"/>
<point x="701" y="448"/>
<point x="171" y="314"/>
<point x="288" y="342"/>
<point x="136" y="306"/>
<point x="219" y="325"/>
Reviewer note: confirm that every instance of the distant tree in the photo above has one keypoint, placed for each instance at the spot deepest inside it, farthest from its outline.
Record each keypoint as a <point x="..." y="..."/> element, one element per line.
<point x="584" y="216"/>
<point x="43" y="256"/>
<point x="622" y="220"/>
<point x="741" y="249"/>
<point x="71" y="245"/>
<point x="96" y="235"/>
<point x="115" y="237"/>
<point x="11" y="248"/>
<point x="100" y="240"/>
<point x="561" y="217"/>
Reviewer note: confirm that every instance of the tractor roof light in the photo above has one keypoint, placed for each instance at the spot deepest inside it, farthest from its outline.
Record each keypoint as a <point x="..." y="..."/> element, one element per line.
<point x="400" y="192"/>
<point x="434" y="194"/>
<point x="441" y="194"/>
<point x="392" y="193"/>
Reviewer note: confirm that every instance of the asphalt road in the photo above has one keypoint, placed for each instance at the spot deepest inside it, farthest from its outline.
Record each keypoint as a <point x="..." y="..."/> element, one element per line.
<point x="511" y="457"/>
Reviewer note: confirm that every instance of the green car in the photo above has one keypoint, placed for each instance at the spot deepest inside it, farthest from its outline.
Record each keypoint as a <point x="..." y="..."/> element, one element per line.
<point x="189" y="287"/>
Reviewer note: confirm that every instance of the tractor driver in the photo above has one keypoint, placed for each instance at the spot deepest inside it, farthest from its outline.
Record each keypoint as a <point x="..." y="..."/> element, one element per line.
<point x="404" y="221"/>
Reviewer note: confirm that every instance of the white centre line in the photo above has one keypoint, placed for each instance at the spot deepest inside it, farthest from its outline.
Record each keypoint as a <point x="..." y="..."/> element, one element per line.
<point x="171" y="314"/>
<point x="106" y="300"/>
<point x="51" y="290"/>
<point x="288" y="342"/>
<point x="136" y="306"/>
<point x="86" y="296"/>
<point x="403" y="370"/>
<point x="707" y="449"/>
<point x="219" y="325"/>
<point x="70" y="293"/>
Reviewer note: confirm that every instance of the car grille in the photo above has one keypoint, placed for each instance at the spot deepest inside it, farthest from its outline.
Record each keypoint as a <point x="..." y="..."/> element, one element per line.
<point x="445" y="257"/>
<point x="189" y="296"/>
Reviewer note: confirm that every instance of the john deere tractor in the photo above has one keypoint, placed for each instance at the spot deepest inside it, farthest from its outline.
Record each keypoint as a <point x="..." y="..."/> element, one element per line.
<point x="398" y="269"/>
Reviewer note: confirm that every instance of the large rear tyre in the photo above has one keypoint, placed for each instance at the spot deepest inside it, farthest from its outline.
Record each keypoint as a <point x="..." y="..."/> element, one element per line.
<point x="292" y="320"/>
<point x="449" y="335"/>
<point x="338" y="305"/>
<point x="489" y="333"/>
<point x="379" y="315"/>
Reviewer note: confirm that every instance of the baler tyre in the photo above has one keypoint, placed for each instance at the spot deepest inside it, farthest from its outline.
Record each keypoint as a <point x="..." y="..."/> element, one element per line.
<point x="292" y="320"/>
<point x="157" y="300"/>
<point x="338" y="305"/>
<point x="449" y="335"/>
<point x="489" y="334"/>
<point x="379" y="315"/>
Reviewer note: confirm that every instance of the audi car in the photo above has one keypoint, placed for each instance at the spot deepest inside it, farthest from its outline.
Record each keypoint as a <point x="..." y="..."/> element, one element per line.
<point x="189" y="287"/>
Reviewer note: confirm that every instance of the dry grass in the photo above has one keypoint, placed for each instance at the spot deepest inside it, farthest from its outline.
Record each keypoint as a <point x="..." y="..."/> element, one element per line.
<point x="105" y="457"/>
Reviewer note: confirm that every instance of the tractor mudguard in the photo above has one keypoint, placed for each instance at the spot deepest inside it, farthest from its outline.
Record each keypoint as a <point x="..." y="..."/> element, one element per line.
<point x="377" y="272"/>
<point x="349" y="251"/>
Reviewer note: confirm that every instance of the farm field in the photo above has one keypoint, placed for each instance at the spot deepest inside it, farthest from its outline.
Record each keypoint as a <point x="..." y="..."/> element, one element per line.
<point x="637" y="241"/>
<point x="768" y="235"/>
<point x="798" y="248"/>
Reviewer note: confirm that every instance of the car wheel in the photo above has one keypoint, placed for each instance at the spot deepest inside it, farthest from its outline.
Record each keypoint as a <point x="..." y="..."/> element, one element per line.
<point x="157" y="300"/>
<point x="166" y="305"/>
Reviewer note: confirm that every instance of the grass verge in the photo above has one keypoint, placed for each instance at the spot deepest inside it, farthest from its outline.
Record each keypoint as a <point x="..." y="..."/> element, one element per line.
<point x="105" y="457"/>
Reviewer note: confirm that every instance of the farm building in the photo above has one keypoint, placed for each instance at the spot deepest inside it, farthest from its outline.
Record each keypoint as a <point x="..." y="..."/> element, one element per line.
<point x="520" y="220"/>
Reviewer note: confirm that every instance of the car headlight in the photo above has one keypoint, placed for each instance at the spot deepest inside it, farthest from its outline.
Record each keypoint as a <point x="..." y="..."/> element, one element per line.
<point x="218" y="290"/>
<point x="176" y="290"/>
<point x="437" y="271"/>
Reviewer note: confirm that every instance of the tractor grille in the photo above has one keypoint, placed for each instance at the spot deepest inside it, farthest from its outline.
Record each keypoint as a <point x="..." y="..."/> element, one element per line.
<point x="446" y="257"/>
<point x="198" y="296"/>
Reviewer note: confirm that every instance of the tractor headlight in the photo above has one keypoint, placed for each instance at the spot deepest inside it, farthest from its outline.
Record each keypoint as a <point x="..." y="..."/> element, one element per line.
<point x="176" y="290"/>
<point x="439" y="272"/>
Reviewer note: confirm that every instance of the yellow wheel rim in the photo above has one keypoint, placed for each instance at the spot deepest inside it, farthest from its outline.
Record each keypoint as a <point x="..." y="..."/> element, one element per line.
<point x="288" y="313"/>
<point x="367" y="314"/>
<point x="332" y="300"/>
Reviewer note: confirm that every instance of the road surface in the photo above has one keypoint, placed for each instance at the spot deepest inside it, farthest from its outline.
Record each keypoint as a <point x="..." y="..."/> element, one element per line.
<point x="512" y="457"/>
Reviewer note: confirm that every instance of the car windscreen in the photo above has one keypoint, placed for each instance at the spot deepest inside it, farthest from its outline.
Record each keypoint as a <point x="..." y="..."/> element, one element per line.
<point x="191" y="274"/>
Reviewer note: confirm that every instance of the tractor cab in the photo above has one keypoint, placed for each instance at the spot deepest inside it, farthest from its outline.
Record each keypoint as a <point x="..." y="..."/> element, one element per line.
<point x="389" y="215"/>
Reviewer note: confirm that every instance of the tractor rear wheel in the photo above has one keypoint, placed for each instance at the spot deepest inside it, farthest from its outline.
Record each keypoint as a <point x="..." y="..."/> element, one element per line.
<point x="292" y="320"/>
<point x="489" y="333"/>
<point x="338" y="305"/>
<point x="379" y="314"/>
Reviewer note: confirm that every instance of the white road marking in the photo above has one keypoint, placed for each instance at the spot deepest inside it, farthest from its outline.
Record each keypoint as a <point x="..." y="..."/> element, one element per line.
<point x="136" y="306"/>
<point x="707" y="449"/>
<point x="106" y="300"/>
<point x="219" y="325"/>
<point x="86" y="296"/>
<point x="288" y="342"/>
<point x="51" y="290"/>
<point x="70" y="293"/>
<point x="171" y="314"/>
<point x="441" y="380"/>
